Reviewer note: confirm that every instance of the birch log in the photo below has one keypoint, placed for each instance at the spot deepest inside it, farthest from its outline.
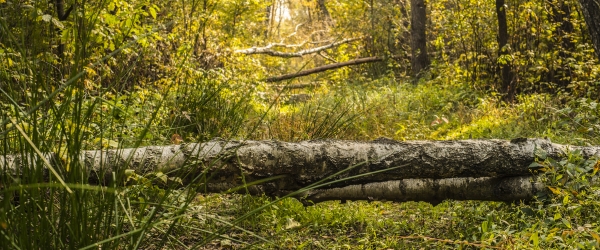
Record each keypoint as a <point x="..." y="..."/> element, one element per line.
<point x="390" y="170"/>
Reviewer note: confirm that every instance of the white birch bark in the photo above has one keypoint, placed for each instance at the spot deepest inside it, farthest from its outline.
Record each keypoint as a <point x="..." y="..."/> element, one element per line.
<point x="411" y="170"/>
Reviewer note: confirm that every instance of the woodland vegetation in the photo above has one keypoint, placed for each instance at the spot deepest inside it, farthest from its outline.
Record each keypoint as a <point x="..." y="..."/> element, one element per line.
<point x="114" y="76"/>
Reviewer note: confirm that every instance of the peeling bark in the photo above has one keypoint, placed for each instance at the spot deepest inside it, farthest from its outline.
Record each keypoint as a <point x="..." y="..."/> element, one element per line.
<point x="391" y="170"/>
<point x="434" y="190"/>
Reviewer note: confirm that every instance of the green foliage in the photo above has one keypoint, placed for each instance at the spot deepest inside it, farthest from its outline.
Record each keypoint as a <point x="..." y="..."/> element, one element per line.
<point x="210" y="107"/>
<point x="116" y="74"/>
<point x="325" y="117"/>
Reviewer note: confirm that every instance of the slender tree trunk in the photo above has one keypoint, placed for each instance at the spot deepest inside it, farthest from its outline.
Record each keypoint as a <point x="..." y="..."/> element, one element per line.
<point x="560" y="73"/>
<point x="561" y="13"/>
<point x="591" y="14"/>
<point x="507" y="86"/>
<point x="419" y="60"/>
<point x="325" y="16"/>
<point x="269" y="9"/>
<point x="60" y="12"/>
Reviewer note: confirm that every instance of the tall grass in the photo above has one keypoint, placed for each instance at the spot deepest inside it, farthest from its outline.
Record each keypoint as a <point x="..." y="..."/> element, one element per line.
<point x="81" y="99"/>
<point x="55" y="105"/>
<point x="47" y="107"/>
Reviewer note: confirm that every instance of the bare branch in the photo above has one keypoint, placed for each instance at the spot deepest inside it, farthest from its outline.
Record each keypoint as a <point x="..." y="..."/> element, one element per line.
<point x="325" y="68"/>
<point x="295" y="32"/>
<point x="267" y="50"/>
<point x="327" y="57"/>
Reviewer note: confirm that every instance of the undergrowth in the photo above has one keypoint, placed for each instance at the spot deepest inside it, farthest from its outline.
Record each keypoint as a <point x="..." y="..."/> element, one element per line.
<point x="105" y="92"/>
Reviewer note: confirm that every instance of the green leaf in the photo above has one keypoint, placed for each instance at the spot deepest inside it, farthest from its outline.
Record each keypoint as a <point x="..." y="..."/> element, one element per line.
<point x="566" y="200"/>
<point x="535" y="239"/>
<point x="566" y="222"/>
<point x="162" y="177"/>
<point x="129" y="172"/>
<point x="111" y="6"/>
<point x="58" y="23"/>
<point x="47" y="18"/>
<point x="527" y="211"/>
<point x="535" y="165"/>
<point x="557" y="216"/>
<point x="540" y="153"/>
<point x="152" y="12"/>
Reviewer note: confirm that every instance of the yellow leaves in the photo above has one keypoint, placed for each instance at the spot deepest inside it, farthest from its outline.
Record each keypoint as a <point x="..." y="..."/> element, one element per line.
<point x="106" y="143"/>
<point x="89" y="85"/>
<point x="162" y="177"/>
<point x="556" y="191"/>
<point x="143" y="42"/>
<point x="90" y="71"/>
<point x="565" y="200"/>
<point x="152" y="12"/>
<point x="41" y="155"/>
<point x="176" y="139"/>
<point x="595" y="236"/>
<point x="155" y="178"/>
<point x="63" y="157"/>
<point x="566" y="194"/>
<point x="111" y="6"/>
<point x="534" y="239"/>
<point x="23" y="124"/>
<point x="439" y="121"/>
<point x="596" y="167"/>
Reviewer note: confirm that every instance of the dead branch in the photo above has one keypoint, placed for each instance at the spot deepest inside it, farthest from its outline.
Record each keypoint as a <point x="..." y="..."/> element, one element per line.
<point x="268" y="50"/>
<point x="325" y="68"/>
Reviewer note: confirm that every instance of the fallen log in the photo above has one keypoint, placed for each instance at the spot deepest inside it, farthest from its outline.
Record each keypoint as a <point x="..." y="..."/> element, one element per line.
<point x="467" y="169"/>
<point x="433" y="190"/>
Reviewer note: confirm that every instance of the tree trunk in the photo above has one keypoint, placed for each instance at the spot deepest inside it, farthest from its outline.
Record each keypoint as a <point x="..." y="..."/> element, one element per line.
<point x="591" y="14"/>
<point x="433" y="190"/>
<point x="419" y="60"/>
<point x="507" y="87"/>
<point x="378" y="170"/>
<point x="60" y="12"/>
<point x="324" y="13"/>
<point x="559" y="71"/>
<point x="62" y="15"/>
<point x="268" y="19"/>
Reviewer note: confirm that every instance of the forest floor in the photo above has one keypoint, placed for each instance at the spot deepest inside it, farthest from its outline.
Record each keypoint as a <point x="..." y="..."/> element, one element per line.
<point x="407" y="112"/>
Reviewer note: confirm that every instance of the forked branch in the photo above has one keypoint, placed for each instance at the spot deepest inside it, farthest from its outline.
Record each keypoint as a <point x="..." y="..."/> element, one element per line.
<point x="268" y="50"/>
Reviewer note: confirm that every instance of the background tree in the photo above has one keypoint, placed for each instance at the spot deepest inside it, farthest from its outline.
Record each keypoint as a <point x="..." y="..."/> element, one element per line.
<point x="591" y="13"/>
<point x="420" y="59"/>
<point x="325" y="16"/>
<point x="507" y="87"/>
